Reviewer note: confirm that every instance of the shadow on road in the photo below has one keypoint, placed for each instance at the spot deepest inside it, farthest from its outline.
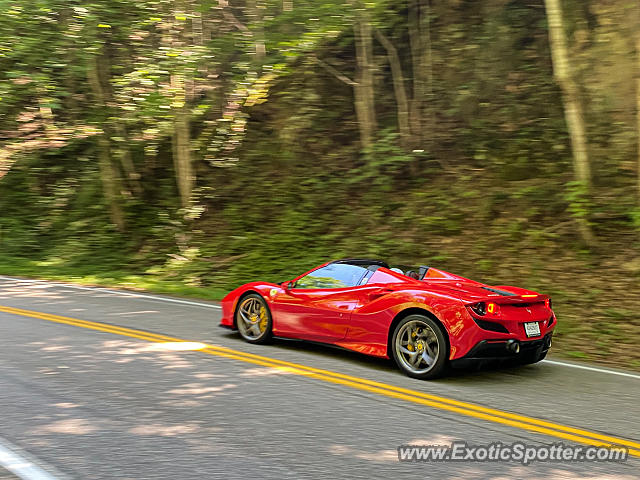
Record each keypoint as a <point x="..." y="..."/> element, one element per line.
<point x="479" y="372"/>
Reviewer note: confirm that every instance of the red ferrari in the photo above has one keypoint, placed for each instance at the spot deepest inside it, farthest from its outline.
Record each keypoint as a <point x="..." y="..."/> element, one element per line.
<point x="423" y="318"/>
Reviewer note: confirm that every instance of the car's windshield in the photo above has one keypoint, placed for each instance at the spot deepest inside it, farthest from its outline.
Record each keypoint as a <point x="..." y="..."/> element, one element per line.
<point x="333" y="275"/>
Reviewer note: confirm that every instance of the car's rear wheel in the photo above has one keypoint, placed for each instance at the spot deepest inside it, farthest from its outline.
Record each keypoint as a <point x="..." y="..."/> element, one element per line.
<point x="419" y="347"/>
<point x="253" y="319"/>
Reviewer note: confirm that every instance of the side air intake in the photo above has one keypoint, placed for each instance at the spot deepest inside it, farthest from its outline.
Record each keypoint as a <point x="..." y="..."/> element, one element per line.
<point x="491" y="326"/>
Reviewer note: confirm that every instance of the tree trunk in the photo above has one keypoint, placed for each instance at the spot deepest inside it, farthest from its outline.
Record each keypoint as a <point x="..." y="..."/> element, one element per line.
<point x="416" y="45"/>
<point x="419" y="23"/>
<point x="181" y="144"/>
<point x="255" y="14"/>
<point x="109" y="178"/>
<point x="133" y="177"/>
<point x="427" y="62"/>
<point x="364" y="88"/>
<point x="183" y="156"/>
<point x="181" y="138"/>
<point x="398" y="87"/>
<point x="71" y="104"/>
<point x="572" y="105"/>
<point x="108" y="173"/>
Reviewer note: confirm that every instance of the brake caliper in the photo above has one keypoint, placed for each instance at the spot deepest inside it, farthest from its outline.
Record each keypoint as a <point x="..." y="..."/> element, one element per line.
<point x="263" y="318"/>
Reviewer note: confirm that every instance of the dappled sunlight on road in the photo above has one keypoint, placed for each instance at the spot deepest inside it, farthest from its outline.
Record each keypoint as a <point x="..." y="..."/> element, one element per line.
<point x="55" y="348"/>
<point x="65" y="405"/>
<point x="435" y="439"/>
<point x="164" y="430"/>
<point x="209" y="375"/>
<point x="176" y="346"/>
<point x="159" y="406"/>
<point x="135" y="348"/>
<point x="200" y="390"/>
<point x="141" y="312"/>
<point x="69" y="426"/>
<point x="45" y="292"/>
<point x="165" y="353"/>
<point x="265" y="372"/>
<point x="388" y="455"/>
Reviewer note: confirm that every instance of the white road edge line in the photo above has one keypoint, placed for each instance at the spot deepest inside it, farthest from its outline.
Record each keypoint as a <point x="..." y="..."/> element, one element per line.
<point x="115" y="292"/>
<point x="592" y="369"/>
<point x="20" y="465"/>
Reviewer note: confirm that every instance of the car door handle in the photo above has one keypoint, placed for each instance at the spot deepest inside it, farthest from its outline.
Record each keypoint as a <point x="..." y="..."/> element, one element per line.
<point x="345" y="307"/>
<point x="379" y="293"/>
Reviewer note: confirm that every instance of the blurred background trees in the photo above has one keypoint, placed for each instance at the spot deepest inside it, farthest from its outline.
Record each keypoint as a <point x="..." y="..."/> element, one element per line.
<point x="213" y="142"/>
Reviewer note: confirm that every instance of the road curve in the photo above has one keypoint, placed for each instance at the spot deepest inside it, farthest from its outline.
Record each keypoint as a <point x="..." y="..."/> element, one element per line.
<point x="106" y="384"/>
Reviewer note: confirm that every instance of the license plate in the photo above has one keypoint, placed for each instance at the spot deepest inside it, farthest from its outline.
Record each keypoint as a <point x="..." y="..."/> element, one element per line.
<point x="532" y="329"/>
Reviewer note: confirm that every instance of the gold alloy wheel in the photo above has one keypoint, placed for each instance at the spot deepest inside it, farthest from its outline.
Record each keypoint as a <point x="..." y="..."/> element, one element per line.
<point x="252" y="318"/>
<point x="417" y="346"/>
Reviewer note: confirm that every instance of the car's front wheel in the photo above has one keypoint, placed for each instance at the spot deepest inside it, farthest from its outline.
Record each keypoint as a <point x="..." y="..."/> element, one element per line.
<point x="419" y="347"/>
<point x="253" y="319"/>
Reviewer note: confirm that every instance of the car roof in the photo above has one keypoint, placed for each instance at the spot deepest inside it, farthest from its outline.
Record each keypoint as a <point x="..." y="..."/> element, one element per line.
<point x="363" y="262"/>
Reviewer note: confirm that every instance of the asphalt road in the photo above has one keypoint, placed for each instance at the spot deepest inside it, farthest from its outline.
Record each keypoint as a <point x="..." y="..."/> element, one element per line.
<point x="93" y="404"/>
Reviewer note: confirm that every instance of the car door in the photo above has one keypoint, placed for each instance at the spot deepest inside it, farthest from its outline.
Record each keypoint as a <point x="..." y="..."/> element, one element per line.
<point x="319" y="305"/>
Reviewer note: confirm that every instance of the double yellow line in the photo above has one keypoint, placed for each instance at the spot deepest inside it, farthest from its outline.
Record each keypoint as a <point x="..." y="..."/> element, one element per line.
<point x="413" y="396"/>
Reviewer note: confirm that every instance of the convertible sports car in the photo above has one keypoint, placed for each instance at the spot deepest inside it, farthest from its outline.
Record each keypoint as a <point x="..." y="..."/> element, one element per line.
<point x="423" y="318"/>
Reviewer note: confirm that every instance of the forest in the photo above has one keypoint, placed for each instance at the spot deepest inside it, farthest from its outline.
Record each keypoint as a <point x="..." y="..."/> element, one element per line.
<point x="187" y="147"/>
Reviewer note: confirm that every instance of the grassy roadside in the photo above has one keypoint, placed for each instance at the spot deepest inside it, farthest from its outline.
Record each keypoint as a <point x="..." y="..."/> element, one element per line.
<point x="21" y="267"/>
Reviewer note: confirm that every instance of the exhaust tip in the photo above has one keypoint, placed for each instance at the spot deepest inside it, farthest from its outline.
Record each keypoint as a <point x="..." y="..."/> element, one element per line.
<point x="513" y="346"/>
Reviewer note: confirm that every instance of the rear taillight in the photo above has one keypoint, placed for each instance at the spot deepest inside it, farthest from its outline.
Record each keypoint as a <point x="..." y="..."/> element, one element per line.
<point x="483" y="308"/>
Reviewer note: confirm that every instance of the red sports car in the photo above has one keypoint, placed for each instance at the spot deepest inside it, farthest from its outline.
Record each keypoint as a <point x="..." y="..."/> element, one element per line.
<point x="423" y="318"/>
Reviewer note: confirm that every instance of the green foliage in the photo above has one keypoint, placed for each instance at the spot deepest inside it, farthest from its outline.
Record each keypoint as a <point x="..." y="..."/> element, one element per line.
<point x="635" y="217"/>
<point x="578" y="201"/>
<point x="384" y="161"/>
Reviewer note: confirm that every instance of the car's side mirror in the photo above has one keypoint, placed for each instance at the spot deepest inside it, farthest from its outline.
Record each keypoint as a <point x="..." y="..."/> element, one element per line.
<point x="289" y="285"/>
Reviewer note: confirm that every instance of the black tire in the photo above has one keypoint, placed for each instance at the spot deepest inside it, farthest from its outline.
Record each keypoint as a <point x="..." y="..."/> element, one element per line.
<point x="429" y="339"/>
<point x="249" y="320"/>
